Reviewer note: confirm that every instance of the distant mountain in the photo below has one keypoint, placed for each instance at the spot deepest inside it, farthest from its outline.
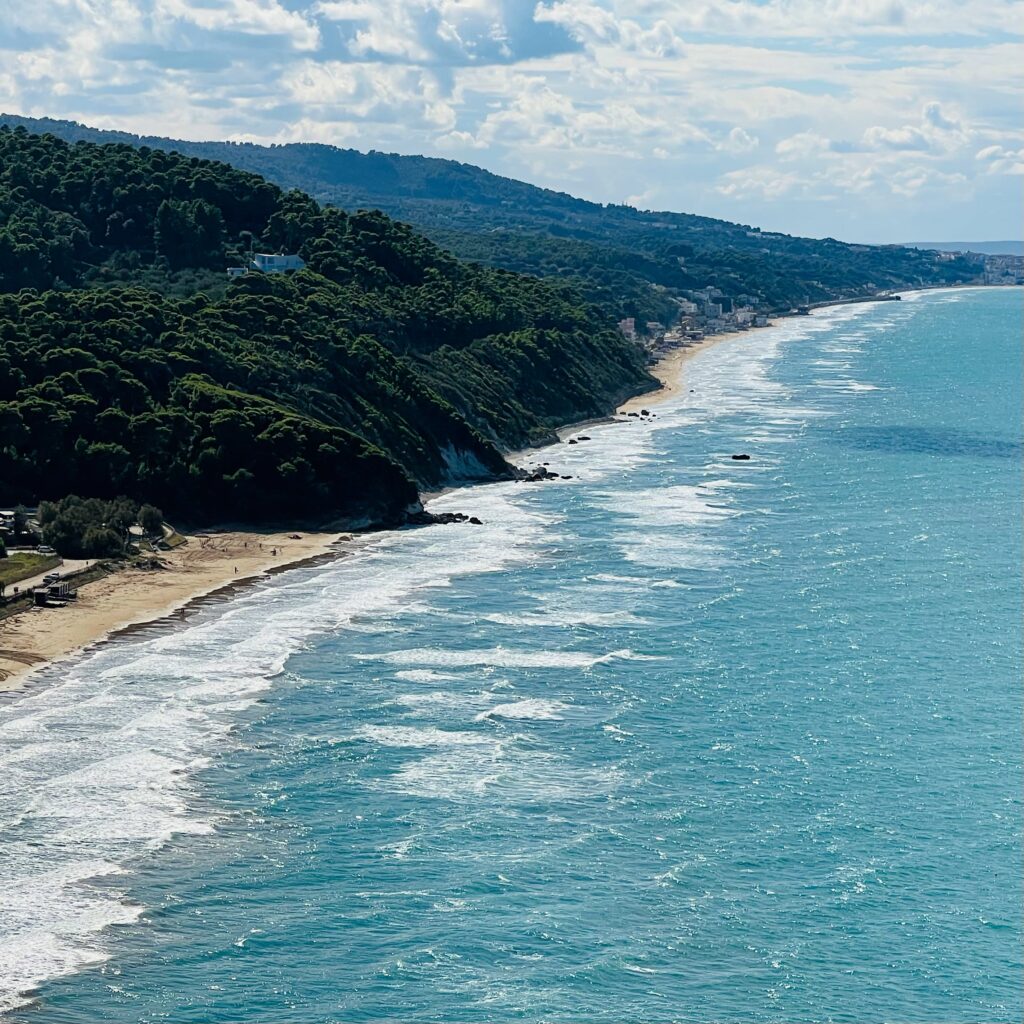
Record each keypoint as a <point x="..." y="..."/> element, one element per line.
<point x="1004" y="248"/>
<point x="633" y="262"/>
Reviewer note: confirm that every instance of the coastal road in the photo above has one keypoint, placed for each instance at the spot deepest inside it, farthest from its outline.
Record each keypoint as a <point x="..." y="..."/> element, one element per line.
<point x="68" y="565"/>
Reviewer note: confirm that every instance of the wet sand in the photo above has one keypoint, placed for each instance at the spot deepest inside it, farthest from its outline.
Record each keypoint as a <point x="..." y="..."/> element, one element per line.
<point x="40" y="636"/>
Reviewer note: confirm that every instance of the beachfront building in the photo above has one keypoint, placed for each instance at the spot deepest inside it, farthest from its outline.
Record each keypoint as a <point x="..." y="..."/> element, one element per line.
<point x="628" y="327"/>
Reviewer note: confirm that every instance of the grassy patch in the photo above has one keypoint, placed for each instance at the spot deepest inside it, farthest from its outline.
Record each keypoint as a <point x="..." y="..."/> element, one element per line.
<point x="20" y="565"/>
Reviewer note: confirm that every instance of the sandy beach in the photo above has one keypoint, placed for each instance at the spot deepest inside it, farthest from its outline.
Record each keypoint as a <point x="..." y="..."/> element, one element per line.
<point x="669" y="370"/>
<point x="205" y="564"/>
<point x="41" y="636"/>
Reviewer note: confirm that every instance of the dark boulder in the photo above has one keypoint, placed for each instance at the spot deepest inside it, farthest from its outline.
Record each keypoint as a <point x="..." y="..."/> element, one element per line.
<point x="424" y="518"/>
<point x="536" y="474"/>
<point x="475" y="521"/>
<point x="740" y="458"/>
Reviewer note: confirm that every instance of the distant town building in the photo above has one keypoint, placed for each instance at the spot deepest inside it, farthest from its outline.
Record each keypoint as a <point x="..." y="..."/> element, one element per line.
<point x="1004" y="269"/>
<point x="628" y="327"/>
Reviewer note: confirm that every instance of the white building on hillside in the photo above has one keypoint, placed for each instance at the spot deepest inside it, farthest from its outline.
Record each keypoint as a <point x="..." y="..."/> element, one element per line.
<point x="277" y="263"/>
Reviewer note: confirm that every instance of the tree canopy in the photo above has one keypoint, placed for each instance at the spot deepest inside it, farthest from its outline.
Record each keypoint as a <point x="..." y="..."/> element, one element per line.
<point x="334" y="391"/>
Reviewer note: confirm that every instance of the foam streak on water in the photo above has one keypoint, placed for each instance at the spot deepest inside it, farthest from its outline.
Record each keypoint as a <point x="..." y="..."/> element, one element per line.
<point x="681" y="738"/>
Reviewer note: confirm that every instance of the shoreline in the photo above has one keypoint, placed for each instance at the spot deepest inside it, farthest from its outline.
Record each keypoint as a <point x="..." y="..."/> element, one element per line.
<point x="668" y="370"/>
<point x="128" y="599"/>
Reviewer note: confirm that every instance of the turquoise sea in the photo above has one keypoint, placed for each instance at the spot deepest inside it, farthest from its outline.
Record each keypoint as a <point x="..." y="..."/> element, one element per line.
<point x="679" y="739"/>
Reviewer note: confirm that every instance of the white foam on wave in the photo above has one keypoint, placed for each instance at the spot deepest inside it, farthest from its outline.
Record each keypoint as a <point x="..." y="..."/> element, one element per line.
<point x="673" y="551"/>
<point x="418" y="736"/>
<point x="445" y="699"/>
<point x="845" y="385"/>
<point x="682" y="504"/>
<point x="98" y="766"/>
<point x="675" y="525"/>
<point x="425" y="675"/>
<point x="501" y="771"/>
<point x="635" y="581"/>
<point x="497" y="657"/>
<point x="565" y="617"/>
<point x="531" y="709"/>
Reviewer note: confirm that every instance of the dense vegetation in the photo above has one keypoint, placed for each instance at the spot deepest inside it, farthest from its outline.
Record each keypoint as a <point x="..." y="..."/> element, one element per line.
<point x="634" y="261"/>
<point x="93" y="528"/>
<point x="327" y="393"/>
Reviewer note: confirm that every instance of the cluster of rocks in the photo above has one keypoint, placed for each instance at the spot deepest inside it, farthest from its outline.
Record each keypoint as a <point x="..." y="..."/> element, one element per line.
<point x="535" y="474"/>
<point x="424" y="518"/>
<point x="576" y="440"/>
<point x="642" y="414"/>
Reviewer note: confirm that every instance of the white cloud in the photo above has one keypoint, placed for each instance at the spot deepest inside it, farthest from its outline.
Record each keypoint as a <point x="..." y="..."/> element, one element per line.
<point x="409" y="96"/>
<point x="595" y="25"/>
<point x="834" y="19"/>
<point x="934" y="132"/>
<point x="907" y="137"/>
<point x="766" y="183"/>
<point x="832" y="103"/>
<point x="999" y="160"/>
<point x="739" y="140"/>
<point x="911" y="180"/>
<point x="803" y="145"/>
<point x="251" y="17"/>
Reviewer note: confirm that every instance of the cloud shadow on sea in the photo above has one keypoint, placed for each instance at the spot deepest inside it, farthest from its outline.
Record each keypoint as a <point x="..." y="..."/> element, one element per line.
<point x="902" y="439"/>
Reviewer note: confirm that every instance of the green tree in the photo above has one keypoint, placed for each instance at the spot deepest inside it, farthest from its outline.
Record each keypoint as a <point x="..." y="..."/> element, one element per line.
<point x="189" y="233"/>
<point x="151" y="519"/>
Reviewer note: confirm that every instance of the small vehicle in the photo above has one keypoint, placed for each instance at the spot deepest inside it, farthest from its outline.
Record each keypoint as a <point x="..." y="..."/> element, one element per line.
<point x="51" y="577"/>
<point x="44" y="550"/>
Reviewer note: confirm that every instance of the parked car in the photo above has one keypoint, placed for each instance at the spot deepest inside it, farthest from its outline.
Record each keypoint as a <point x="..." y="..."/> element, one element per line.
<point x="50" y="577"/>
<point x="44" y="550"/>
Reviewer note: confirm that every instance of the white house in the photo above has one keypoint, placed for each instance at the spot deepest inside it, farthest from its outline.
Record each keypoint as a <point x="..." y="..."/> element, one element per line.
<point x="277" y="263"/>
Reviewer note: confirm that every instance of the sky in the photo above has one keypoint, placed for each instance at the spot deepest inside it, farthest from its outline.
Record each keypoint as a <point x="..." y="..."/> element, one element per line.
<point x="867" y="120"/>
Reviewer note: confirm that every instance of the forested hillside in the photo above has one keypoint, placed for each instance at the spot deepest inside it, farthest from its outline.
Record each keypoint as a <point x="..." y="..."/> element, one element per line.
<point x="129" y="365"/>
<point x="636" y="261"/>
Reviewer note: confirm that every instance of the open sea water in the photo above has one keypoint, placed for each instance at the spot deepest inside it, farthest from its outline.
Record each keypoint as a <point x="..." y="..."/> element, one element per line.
<point x="679" y="739"/>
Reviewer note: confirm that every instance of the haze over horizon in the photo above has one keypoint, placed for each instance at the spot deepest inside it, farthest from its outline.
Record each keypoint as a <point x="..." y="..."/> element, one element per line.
<point x="841" y="119"/>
